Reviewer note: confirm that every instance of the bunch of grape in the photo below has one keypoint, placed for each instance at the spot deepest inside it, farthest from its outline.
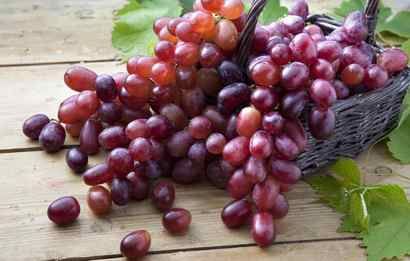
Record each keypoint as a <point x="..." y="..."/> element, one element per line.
<point x="191" y="112"/>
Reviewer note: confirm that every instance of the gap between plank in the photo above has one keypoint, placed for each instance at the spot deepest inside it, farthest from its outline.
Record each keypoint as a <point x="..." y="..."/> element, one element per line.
<point x="160" y="252"/>
<point x="59" y="63"/>
<point x="30" y="149"/>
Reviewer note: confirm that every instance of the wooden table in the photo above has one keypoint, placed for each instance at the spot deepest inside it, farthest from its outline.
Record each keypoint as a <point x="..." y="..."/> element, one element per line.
<point x="39" y="39"/>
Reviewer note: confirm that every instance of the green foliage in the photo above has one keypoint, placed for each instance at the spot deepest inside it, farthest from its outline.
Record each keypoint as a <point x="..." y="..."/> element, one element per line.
<point x="132" y="33"/>
<point x="379" y="215"/>
<point x="187" y="5"/>
<point x="272" y="12"/>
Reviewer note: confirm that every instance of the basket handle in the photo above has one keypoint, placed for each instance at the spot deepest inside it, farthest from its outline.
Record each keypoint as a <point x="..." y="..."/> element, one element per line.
<point x="246" y="36"/>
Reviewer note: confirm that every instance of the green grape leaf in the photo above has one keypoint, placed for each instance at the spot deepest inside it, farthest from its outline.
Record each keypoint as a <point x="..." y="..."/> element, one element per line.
<point x="397" y="24"/>
<point x="187" y="5"/>
<point x="347" y="171"/>
<point x="348" y="6"/>
<point x="358" y="211"/>
<point x="272" y="12"/>
<point x="390" y="39"/>
<point x="132" y="33"/>
<point x="406" y="47"/>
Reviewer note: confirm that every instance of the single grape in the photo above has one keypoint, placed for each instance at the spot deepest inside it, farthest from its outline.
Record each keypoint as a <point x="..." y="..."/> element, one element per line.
<point x="260" y="39"/>
<point x="249" y="120"/>
<point x="303" y="49"/>
<point x="375" y="77"/>
<point x="63" y="211"/>
<point x="52" y="137"/>
<point x="120" y="191"/>
<point x="264" y="100"/>
<point x="280" y="54"/>
<point x="76" y="160"/>
<point x="143" y="66"/>
<point x="186" y="77"/>
<point x="261" y="144"/>
<point x="130" y="101"/>
<point x="352" y="75"/>
<point x="200" y="127"/>
<point x="87" y="104"/>
<point x="299" y="8"/>
<point x="68" y="111"/>
<point x="198" y="152"/>
<point x="230" y="131"/>
<point x="164" y="95"/>
<point x="137" y="129"/>
<point x="163" y="73"/>
<point x="236" y="213"/>
<point x="266" y="74"/>
<point x="139" y="185"/>
<point x="136" y="244"/>
<point x="139" y="88"/>
<point x="120" y="161"/>
<point x="265" y="193"/>
<point x="209" y="81"/>
<point x="355" y="26"/>
<point x="342" y="91"/>
<point x="219" y="172"/>
<point x="295" y="76"/>
<point x="193" y="102"/>
<point x="140" y="149"/>
<point x="215" y="143"/>
<point x="210" y="55"/>
<point x="239" y="185"/>
<point x="158" y="149"/>
<point x="273" y="122"/>
<point x="226" y="35"/>
<point x="232" y="9"/>
<point x="175" y="115"/>
<point x="293" y="23"/>
<point x="97" y="175"/>
<point x="80" y="78"/>
<point x="106" y="88"/>
<point x="293" y="103"/>
<point x="32" y="126"/>
<point x="284" y="171"/>
<point x="113" y="137"/>
<point x="322" y="93"/>
<point x="166" y="35"/>
<point x="280" y="207"/>
<point x="322" y="123"/>
<point x="160" y="23"/>
<point x="172" y="24"/>
<point x="278" y="28"/>
<point x="255" y="170"/>
<point x="393" y="60"/>
<point x="329" y="50"/>
<point x="202" y="21"/>
<point x="163" y="195"/>
<point x="179" y="143"/>
<point x="110" y="112"/>
<point x="99" y="200"/>
<point x="74" y="130"/>
<point x="186" y="171"/>
<point x="159" y="127"/>
<point x="263" y="230"/>
<point x="236" y="151"/>
<point x="286" y="147"/>
<point x="230" y="73"/>
<point x="89" y="137"/>
<point x="218" y="121"/>
<point x="177" y="221"/>
<point x="165" y="50"/>
<point x="185" y="31"/>
<point x="233" y="97"/>
<point x="153" y="170"/>
<point x="187" y="54"/>
<point x="322" y="69"/>
<point x="212" y="5"/>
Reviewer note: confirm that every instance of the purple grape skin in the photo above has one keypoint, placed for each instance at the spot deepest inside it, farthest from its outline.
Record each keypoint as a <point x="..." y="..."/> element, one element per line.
<point x="153" y="169"/>
<point x="299" y="8"/>
<point x="355" y="26"/>
<point x="322" y="123"/>
<point x="89" y="137"/>
<point x="106" y="88"/>
<point x="113" y="137"/>
<point x="233" y="97"/>
<point x="110" y="112"/>
<point x="52" y="137"/>
<point x="293" y="103"/>
<point x="230" y="73"/>
<point x="63" y="211"/>
<point x="139" y="186"/>
<point x="120" y="191"/>
<point x="186" y="171"/>
<point x="76" y="160"/>
<point x="219" y="173"/>
<point x="198" y="153"/>
<point x="32" y="126"/>
<point x="179" y="143"/>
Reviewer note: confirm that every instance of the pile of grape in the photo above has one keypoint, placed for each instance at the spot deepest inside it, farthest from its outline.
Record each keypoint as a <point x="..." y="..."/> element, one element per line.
<point x="190" y="112"/>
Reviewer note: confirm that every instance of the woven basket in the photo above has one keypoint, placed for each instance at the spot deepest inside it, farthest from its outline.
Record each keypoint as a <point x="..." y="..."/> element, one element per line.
<point x="362" y="119"/>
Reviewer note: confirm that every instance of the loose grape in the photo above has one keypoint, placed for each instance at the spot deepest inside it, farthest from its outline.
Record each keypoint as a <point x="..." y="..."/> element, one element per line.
<point x="63" y="211"/>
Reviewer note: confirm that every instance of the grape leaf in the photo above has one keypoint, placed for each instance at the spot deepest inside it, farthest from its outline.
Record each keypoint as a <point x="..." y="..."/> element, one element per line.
<point x="358" y="211"/>
<point x="272" y="12"/>
<point x="390" y="39"/>
<point x="348" y="6"/>
<point x="348" y="171"/>
<point x="397" y="24"/>
<point x="406" y="47"/>
<point x="132" y="33"/>
<point x="187" y="5"/>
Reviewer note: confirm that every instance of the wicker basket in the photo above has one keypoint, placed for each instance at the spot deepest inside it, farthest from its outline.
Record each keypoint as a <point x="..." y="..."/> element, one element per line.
<point x="362" y="119"/>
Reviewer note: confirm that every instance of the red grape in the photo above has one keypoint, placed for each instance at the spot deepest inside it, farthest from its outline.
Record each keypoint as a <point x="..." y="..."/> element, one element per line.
<point x="177" y="221"/>
<point x="265" y="193"/>
<point x="263" y="229"/>
<point x="99" y="200"/>
<point x="80" y="78"/>
<point x="163" y="195"/>
<point x="32" y="126"/>
<point x="76" y="160"/>
<point x="239" y="185"/>
<point x="136" y="244"/>
<point x="236" y="213"/>
<point x="64" y="211"/>
<point x="52" y="137"/>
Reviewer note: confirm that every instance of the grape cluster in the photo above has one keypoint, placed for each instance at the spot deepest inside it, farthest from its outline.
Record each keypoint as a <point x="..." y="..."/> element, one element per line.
<point x="191" y="112"/>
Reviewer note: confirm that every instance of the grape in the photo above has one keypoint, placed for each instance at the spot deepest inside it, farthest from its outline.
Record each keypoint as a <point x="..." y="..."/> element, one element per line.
<point x="120" y="191"/>
<point x="230" y="132"/>
<point x="265" y="193"/>
<point x="32" y="126"/>
<point x="136" y="244"/>
<point x="99" y="200"/>
<point x="97" y="175"/>
<point x="280" y="54"/>
<point x="68" y="111"/>
<point x="299" y="8"/>
<point x="129" y="115"/>
<point x="179" y="143"/>
<point x="172" y="24"/>
<point x="256" y="60"/>
<point x="193" y="102"/>
<point x="186" y="77"/>
<point x="89" y="137"/>
<point x="295" y="76"/>
<point x="215" y="143"/>
<point x="139" y="186"/>
<point x="260" y="39"/>
<point x="153" y="170"/>
<point x="239" y="185"/>
<point x="76" y="160"/>
<point x="175" y="115"/>
<point x="353" y="54"/>
<point x="355" y="26"/>
<point x="80" y="78"/>
<point x="63" y="211"/>
<point x="52" y="137"/>
<point x="230" y="73"/>
<point x="136" y="129"/>
<point x="140" y="149"/>
<point x="159" y="127"/>
<point x="249" y="120"/>
<point x="166" y="35"/>
<point x="185" y="32"/>
<point x="139" y="88"/>
<point x="280" y="207"/>
<point x="113" y="137"/>
<point x="352" y="75"/>
<point x="210" y="55"/>
<point x="342" y="91"/>
<point x="218" y="121"/>
<point x="293" y="103"/>
<point x="322" y="123"/>
<point x="233" y="97"/>
<point x="329" y="50"/>
<point x="166" y="164"/>
<point x="177" y="221"/>
<point x="284" y="171"/>
<point x="376" y="77"/>
<point x="87" y="103"/>
<point x="264" y="99"/>
<point x="393" y="60"/>
<point x="255" y="170"/>
<point x="303" y="49"/>
<point x="110" y="112"/>
<point x="160" y="23"/>
<point x="273" y="122"/>
<point x="74" y="129"/>
<point x="313" y="29"/>
<point x="240" y="22"/>
<point x="226" y="35"/>
<point x="186" y="172"/>
<point x="165" y="50"/>
<point x="200" y="127"/>
<point x="163" y="73"/>
<point x="130" y="101"/>
<point x="120" y="161"/>
<point x="219" y="172"/>
<point x="232" y="9"/>
<point x="212" y="5"/>
<point x="142" y="67"/>
<point x="294" y="24"/>
<point x="187" y="54"/>
<point x="106" y="88"/>
<point x="266" y="74"/>
<point x="286" y="147"/>
<point x="164" y="95"/>
<point x="209" y="81"/>
<point x="322" y="69"/>
<point x="163" y="195"/>
<point x="202" y="21"/>
<point x="236" y="213"/>
<point x="198" y="153"/>
<point x="158" y="149"/>
<point x="263" y="230"/>
<point x="236" y="151"/>
<point x="294" y="129"/>
<point x="261" y="144"/>
<point x="322" y="93"/>
<point x="278" y="28"/>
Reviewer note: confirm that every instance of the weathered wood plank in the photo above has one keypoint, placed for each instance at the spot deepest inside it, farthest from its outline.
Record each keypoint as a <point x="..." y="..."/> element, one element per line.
<point x="28" y="90"/>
